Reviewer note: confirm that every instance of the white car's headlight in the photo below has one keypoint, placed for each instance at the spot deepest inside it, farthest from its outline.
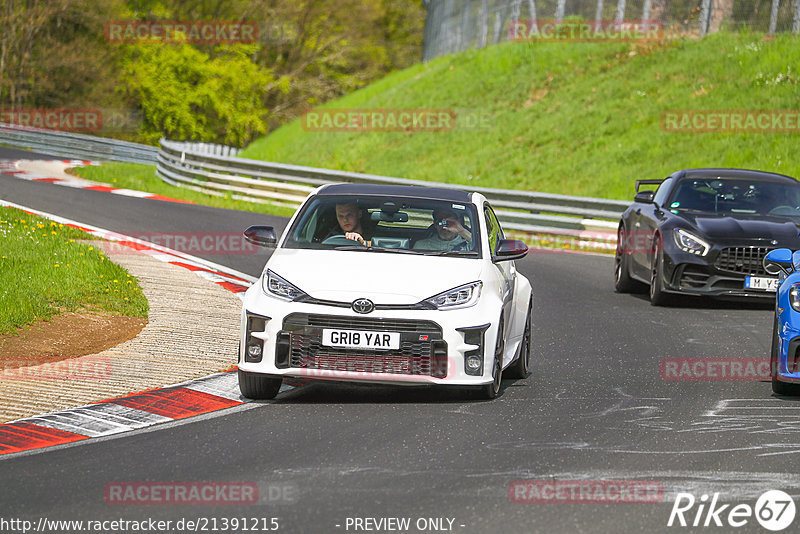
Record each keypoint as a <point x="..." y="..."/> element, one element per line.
<point x="273" y="284"/>
<point x="794" y="297"/>
<point x="688" y="242"/>
<point x="458" y="297"/>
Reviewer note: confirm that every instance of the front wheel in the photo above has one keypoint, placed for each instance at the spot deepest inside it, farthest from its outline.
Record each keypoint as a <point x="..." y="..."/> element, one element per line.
<point x="521" y="366"/>
<point x="623" y="283"/>
<point x="259" y="386"/>
<point x="489" y="391"/>
<point x="778" y="387"/>
<point x="658" y="297"/>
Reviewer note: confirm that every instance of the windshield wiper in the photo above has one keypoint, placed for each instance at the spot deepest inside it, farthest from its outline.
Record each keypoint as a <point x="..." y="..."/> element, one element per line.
<point x="451" y="253"/>
<point x="397" y="250"/>
<point x="375" y="249"/>
<point x="353" y="247"/>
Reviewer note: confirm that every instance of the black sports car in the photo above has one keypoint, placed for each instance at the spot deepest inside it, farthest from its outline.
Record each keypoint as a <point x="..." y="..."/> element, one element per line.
<point x="706" y="232"/>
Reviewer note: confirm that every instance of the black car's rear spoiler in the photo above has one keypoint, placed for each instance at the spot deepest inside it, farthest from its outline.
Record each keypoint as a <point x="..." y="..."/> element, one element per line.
<point x="648" y="182"/>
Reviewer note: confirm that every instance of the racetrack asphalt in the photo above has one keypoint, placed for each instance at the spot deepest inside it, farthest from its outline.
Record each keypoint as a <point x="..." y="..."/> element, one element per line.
<point x="594" y="408"/>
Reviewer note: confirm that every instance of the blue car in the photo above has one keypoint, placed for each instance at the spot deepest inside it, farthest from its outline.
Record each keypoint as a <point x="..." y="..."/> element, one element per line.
<point x="785" y="354"/>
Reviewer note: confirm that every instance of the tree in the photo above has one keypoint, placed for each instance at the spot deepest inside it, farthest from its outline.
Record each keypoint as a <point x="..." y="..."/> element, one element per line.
<point x="185" y="94"/>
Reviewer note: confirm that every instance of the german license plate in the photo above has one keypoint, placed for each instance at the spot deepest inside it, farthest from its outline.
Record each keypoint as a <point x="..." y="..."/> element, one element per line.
<point x="360" y="339"/>
<point x="761" y="282"/>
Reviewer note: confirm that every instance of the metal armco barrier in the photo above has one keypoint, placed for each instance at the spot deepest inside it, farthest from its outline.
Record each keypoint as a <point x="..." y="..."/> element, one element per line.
<point x="262" y="181"/>
<point x="214" y="169"/>
<point x="76" y="146"/>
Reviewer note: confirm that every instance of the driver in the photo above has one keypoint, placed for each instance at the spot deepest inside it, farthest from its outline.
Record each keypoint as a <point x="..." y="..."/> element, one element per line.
<point x="450" y="232"/>
<point x="349" y="217"/>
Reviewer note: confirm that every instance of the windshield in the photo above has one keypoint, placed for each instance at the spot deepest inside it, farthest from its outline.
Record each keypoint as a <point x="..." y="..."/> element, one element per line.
<point x="386" y="224"/>
<point x="737" y="196"/>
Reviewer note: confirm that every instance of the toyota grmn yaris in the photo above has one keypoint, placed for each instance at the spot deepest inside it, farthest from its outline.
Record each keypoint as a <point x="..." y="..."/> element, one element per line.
<point x="391" y="285"/>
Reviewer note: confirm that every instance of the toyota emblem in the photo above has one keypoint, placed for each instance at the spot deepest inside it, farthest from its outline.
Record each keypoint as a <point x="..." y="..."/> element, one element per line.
<point x="363" y="306"/>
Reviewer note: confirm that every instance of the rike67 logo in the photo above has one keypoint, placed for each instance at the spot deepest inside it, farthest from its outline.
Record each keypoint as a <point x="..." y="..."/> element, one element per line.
<point x="774" y="510"/>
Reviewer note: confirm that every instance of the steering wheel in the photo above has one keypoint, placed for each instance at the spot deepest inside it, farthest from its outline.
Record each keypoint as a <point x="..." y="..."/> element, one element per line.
<point x="339" y="240"/>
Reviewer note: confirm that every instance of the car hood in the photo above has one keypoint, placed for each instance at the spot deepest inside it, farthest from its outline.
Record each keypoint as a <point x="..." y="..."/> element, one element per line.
<point x="742" y="227"/>
<point x="384" y="278"/>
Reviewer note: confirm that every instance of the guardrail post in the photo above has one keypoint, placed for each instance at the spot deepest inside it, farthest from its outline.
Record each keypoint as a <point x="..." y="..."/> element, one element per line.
<point x="646" y="14"/>
<point x="773" y="16"/>
<point x="532" y="12"/>
<point x="620" y="15"/>
<point x="561" y="7"/>
<point x="796" y="19"/>
<point x="598" y="15"/>
<point x="705" y="17"/>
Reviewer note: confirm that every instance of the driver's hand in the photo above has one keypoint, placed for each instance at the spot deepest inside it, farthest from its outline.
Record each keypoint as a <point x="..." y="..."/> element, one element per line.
<point x="355" y="236"/>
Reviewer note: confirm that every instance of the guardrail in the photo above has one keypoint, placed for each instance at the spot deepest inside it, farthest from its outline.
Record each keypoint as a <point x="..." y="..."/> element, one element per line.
<point x="214" y="169"/>
<point x="76" y="146"/>
<point x="262" y="181"/>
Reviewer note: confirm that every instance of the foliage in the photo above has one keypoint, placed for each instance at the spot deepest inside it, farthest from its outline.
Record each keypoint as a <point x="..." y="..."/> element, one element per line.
<point x="54" y="54"/>
<point x="184" y="94"/>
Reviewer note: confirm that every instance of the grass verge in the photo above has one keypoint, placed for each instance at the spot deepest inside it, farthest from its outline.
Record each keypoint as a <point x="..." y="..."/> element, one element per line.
<point x="45" y="270"/>
<point x="141" y="177"/>
<point x="571" y="118"/>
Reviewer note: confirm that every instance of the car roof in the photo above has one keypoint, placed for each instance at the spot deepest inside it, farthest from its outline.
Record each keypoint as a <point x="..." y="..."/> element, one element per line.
<point x="732" y="173"/>
<point x="431" y="193"/>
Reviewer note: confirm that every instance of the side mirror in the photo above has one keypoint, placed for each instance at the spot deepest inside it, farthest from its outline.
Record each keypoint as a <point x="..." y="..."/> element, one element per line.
<point x="510" y="249"/>
<point x="263" y="236"/>
<point x="778" y="260"/>
<point x="645" y="197"/>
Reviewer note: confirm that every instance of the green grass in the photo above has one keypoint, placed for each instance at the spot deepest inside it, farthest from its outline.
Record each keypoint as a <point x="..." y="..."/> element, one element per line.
<point x="45" y="270"/>
<point x="578" y="119"/>
<point x="141" y="177"/>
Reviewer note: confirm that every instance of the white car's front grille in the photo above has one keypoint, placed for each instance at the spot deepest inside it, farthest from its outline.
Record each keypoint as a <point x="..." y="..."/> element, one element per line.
<point x="422" y="350"/>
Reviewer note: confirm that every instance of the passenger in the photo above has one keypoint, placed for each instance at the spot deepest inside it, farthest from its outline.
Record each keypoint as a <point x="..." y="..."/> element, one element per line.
<point x="450" y="233"/>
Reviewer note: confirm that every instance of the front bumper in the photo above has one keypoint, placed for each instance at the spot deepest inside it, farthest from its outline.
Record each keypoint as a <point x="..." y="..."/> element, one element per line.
<point x="721" y="273"/>
<point x="433" y="343"/>
<point x="788" y="364"/>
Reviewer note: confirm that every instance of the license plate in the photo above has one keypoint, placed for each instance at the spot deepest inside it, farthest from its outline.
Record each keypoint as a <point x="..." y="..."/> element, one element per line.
<point x="761" y="282"/>
<point x="360" y="339"/>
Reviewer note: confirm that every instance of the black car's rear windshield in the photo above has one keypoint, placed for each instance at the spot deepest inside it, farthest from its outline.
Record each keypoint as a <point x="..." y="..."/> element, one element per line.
<point x="736" y="196"/>
<point x="387" y="224"/>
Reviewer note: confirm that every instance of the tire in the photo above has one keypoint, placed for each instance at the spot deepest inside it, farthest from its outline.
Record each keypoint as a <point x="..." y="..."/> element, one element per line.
<point x="778" y="387"/>
<point x="521" y="366"/>
<point x="489" y="391"/>
<point x="658" y="297"/>
<point x="259" y="386"/>
<point x="623" y="283"/>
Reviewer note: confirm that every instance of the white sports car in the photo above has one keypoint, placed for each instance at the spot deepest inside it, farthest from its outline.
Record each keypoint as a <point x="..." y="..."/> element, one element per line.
<point x="387" y="284"/>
